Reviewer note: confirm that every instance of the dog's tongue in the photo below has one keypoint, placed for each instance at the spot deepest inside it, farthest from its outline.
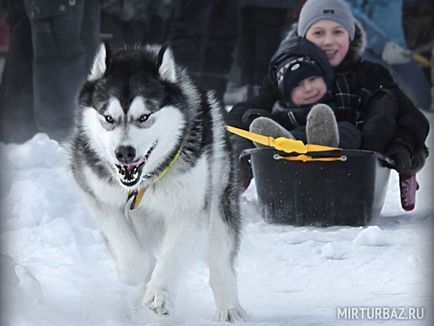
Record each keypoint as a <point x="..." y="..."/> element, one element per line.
<point x="131" y="166"/>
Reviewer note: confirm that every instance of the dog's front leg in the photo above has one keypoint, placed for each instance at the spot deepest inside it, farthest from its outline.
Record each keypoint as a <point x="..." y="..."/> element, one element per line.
<point x="132" y="260"/>
<point x="176" y="253"/>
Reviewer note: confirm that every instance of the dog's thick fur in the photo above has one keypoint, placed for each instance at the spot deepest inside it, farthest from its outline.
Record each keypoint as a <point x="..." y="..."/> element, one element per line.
<point x="143" y="124"/>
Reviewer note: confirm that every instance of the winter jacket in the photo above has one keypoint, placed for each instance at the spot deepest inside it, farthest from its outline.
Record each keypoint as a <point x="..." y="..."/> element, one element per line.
<point x="399" y="122"/>
<point x="359" y="91"/>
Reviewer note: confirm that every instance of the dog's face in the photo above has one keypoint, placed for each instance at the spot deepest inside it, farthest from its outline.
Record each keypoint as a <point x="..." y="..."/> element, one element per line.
<point x="133" y="111"/>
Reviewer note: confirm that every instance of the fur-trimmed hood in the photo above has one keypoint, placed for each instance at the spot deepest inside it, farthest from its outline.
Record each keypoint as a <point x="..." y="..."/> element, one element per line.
<point x="357" y="46"/>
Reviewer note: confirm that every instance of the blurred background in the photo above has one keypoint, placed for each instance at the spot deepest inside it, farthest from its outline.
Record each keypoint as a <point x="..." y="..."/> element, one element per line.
<point x="46" y="48"/>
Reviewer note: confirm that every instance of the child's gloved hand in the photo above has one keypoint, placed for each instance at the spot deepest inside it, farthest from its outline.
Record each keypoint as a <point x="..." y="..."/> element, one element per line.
<point x="401" y="155"/>
<point x="252" y="114"/>
<point x="394" y="54"/>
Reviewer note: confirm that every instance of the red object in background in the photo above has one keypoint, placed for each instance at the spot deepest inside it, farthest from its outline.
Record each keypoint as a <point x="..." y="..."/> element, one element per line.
<point x="4" y="36"/>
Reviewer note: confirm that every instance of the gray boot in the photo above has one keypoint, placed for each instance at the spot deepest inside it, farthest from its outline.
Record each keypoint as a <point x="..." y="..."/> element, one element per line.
<point x="321" y="126"/>
<point x="267" y="127"/>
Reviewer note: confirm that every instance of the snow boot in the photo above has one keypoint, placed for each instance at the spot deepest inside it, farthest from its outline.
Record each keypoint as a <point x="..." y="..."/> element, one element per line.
<point x="408" y="186"/>
<point x="321" y="126"/>
<point x="267" y="127"/>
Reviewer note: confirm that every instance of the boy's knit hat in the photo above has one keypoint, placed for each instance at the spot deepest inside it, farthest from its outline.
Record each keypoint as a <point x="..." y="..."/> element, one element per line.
<point x="296" y="70"/>
<point x="298" y="59"/>
<point x="316" y="10"/>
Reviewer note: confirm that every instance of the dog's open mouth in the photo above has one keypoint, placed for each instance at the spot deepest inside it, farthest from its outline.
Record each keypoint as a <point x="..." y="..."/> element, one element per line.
<point x="130" y="173"/>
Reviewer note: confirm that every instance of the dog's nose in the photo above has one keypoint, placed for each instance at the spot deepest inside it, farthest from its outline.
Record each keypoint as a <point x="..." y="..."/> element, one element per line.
<point x="125" y="154"/>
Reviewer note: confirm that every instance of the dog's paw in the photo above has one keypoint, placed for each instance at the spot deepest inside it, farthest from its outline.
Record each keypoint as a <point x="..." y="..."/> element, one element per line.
<point x="231" y="314"/>
<point x="157" y="300"/>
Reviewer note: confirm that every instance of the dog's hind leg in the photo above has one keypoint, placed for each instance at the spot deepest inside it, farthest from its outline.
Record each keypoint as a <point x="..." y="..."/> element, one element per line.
<point x="221" y="255"/>
<point x="133" y="262"/>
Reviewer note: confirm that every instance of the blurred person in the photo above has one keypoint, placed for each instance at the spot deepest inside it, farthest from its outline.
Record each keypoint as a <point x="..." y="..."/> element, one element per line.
<point x="51" y="49"/>
<point x="262" y="25"/>
<point x="203" y="35"/>
<point x="132" y="22"/>
<point x="4" y="36"/>
<point x="418" y="20"/>
<point x="4" y="29"/>
<point x="383" y="23"/>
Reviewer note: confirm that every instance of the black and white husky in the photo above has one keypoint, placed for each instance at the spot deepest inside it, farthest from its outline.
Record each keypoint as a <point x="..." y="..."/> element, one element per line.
<point x="151" y="154"/>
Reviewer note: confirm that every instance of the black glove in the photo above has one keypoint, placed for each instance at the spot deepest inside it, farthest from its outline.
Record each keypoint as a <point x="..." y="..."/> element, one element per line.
<point x="252" y="114"/>
<point x="401" y="156"/>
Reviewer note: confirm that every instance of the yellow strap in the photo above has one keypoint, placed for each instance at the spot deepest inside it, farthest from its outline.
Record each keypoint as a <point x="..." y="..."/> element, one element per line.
<point x="138" y="194"/>
<point x="307" y="158"/>
<point x="166" y="170"/>
<point x="282" y="144"/>
<point x="423" y="61"/>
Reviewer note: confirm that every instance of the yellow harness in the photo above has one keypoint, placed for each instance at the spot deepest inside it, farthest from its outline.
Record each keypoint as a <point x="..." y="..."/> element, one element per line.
<point x="135" y="196"/>
<point x="289" y="146"/>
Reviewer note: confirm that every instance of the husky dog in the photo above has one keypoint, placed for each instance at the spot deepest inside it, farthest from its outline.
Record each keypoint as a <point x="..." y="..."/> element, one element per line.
<point x="151" y="154"/>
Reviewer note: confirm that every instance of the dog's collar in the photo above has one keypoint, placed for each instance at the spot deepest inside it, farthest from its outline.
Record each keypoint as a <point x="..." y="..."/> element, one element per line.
<point x="135" y="196"/>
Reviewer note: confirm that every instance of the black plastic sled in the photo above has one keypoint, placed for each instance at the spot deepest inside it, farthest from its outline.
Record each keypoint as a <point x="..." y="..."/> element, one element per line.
<point x="347" y="192"/>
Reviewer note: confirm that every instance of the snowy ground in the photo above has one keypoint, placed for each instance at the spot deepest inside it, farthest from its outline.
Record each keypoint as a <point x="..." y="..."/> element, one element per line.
<point x="56" y="269"/>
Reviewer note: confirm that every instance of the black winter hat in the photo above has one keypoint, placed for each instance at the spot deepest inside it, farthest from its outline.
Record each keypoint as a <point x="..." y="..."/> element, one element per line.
<point x="295" y="60"/>
<point x="295" y="71"/>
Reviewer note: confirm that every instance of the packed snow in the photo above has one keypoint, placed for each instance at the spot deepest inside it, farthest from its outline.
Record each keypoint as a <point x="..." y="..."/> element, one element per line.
<point x="371" y="236"/>
<point x="57" y="270"/>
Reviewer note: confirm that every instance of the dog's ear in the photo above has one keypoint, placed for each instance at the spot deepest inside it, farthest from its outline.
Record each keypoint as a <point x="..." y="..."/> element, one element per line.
<point x="100" y="62"/>
<point x="166" y="64"/>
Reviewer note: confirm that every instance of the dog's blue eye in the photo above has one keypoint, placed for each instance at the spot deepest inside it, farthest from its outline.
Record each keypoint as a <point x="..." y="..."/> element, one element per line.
<point x="109" y="119"/>
<point x="144" y="117"/>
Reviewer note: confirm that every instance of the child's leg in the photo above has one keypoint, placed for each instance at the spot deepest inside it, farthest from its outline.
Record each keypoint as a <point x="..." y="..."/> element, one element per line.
<point x="350" y="137"/>
<point x="321" y="126"/>
<point x="268" y="127"/>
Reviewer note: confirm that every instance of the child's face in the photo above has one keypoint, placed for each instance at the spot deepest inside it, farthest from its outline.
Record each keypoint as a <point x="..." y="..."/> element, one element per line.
<point x="309" y="91"/>
<point x="332" y="38"/>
